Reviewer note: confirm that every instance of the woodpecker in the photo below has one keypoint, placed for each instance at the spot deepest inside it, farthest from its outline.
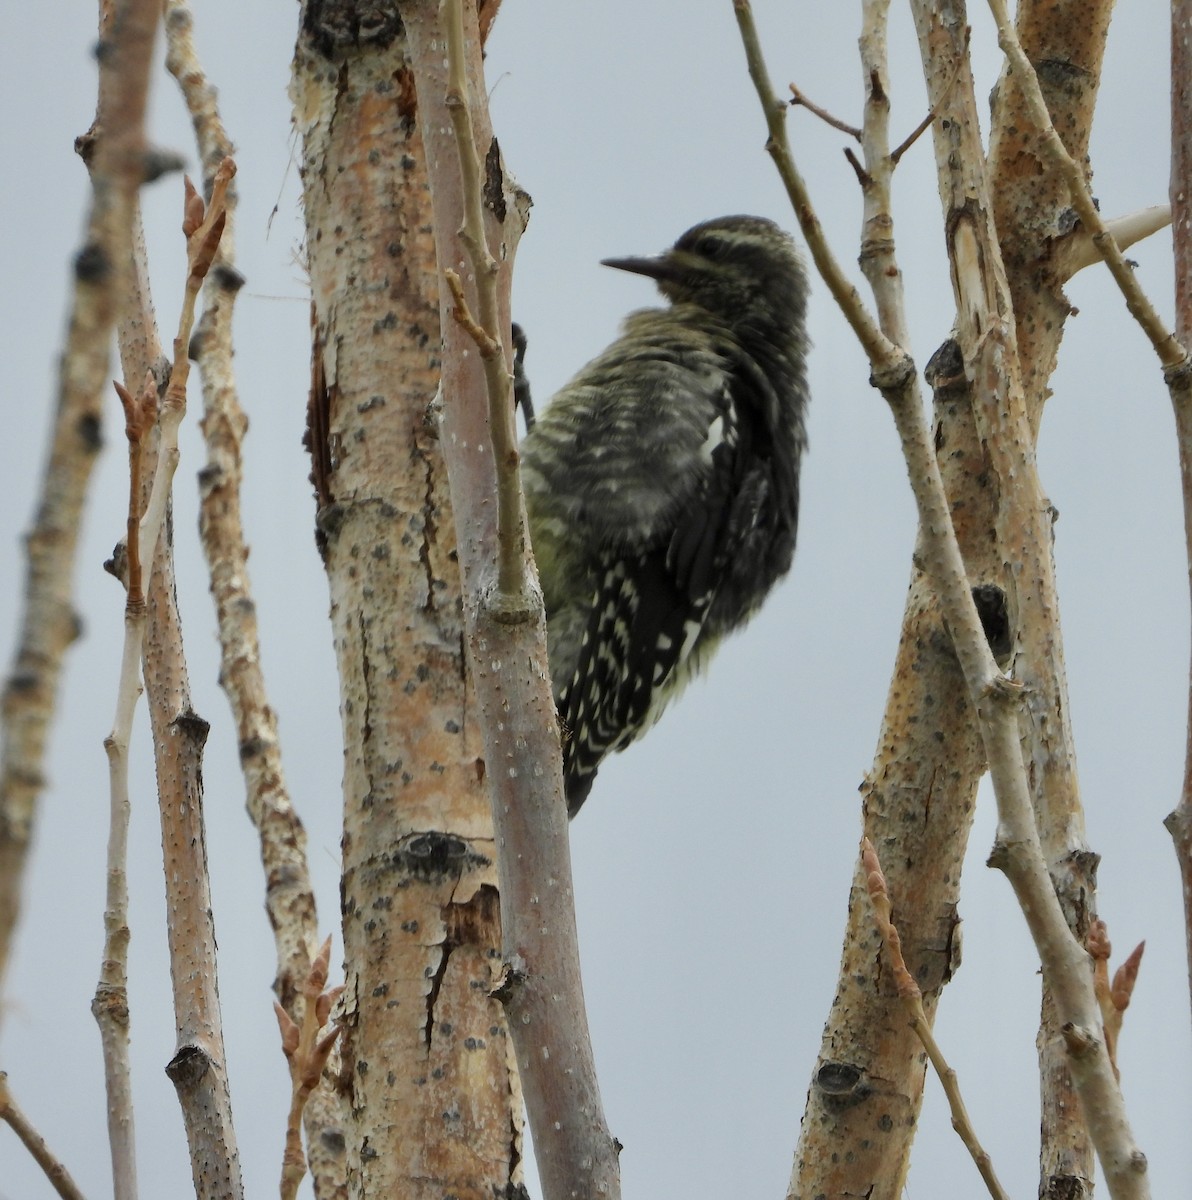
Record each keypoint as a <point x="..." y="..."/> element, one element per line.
<point x="662" y="483"/>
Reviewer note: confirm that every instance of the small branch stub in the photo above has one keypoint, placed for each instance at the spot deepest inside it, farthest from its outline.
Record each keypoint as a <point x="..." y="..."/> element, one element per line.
<point x="489" y="347"/>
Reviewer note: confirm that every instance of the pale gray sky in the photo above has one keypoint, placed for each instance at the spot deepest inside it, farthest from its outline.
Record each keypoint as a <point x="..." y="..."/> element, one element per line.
<point x="712" y="862"/>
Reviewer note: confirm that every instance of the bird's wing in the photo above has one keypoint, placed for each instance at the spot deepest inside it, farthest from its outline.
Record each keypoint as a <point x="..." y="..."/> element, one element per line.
<point x="658" y="577"/>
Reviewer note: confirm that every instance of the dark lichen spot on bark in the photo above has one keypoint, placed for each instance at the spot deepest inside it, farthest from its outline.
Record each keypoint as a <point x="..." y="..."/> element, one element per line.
<point x="407" y="101"/>
<point x="335" y="27"/>
<point x="90" y="432"/>
<point x="251" y="747"/>
<point x="226" y="278"/>
<point x="91" y="264"/>
<point x="433" y="855"/>
<point x="494" y="182"/>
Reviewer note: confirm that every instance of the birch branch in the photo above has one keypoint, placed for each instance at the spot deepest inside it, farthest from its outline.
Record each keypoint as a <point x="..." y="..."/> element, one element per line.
<point x="1171" y="353"/>
<point x="1179" y="383"/>
<point x="49" y="623"/>
<point x="920" y="792"/>
<point x="198" y="1068"/>
<point x="11" y="1114"/>
<point x="912" y="999"/>
<point x="419" y="900"/>
<point x="541" y="987"/>
<point x="1023" y="212"/>
<point x="289" y="894"/>
<point x="512" y="584"/>
<point x="110" y="1003"/>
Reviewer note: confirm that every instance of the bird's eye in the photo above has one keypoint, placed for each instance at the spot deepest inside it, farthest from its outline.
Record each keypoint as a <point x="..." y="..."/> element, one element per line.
<point x="712" y="246"/>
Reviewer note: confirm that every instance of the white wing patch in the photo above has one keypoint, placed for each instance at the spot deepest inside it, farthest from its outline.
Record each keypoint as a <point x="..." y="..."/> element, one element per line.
<point x="714" y="438"/>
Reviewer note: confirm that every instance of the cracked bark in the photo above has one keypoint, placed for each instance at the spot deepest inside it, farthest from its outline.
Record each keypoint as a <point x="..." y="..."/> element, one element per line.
<point x="435" y="1104"/>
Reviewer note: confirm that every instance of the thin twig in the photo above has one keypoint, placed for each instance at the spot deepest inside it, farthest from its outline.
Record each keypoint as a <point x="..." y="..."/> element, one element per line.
<point x="1179" y="384"/>
<point x="56" y="1172"/>
<point x="878" y="260"/>
<point x="932" y="112"/>
<point x="1170" y="352"/>
<point x="48" y="621"/>
<point x="512" y="584"/>
<point x="488" y="347"/>
<point x="880" y="350"/>
<point x="110" y="1003"/>
<point x="912" y="999"/>
<point x="799" y="100"/>
<point x="853" y="161"/>
<point x="289" y="895"/>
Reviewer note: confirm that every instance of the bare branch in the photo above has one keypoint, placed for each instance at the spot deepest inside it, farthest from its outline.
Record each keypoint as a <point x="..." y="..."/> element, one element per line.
<point x="542" y="993"/>
<point x="1179" y="383"/>
<point x="878" y="260"/>
<point x="912" y="999"/>
<point x="198" y="1068"/>
<point x="1081" y="250"/>
<point x="48" y="622"/>
<point x="1040" y="818"/>
<point x="512" y="585"/>
<point x="882" y="353"/>
<point x="110" y="1003"/>
<point x="799" y="100"/>
<point x="289" y="895"/>
<point x="932" y="113"/>
<point x="55" y="1171"/>
<point x="1169" y="350"/>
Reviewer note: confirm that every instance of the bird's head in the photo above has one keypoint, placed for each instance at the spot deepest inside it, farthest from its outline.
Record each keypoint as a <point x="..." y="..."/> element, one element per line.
<point x="745" y="270"/>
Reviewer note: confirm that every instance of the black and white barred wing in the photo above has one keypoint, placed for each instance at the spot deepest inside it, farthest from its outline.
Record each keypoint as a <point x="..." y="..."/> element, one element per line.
<point x="648" y="625"/>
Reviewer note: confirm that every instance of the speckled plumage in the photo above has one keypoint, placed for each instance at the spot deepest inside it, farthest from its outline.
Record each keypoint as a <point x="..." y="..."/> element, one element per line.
<point x="662" y="483"/>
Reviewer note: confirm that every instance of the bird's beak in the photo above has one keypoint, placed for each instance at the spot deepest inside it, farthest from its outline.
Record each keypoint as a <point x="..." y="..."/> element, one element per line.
<point x="660" y="268"/>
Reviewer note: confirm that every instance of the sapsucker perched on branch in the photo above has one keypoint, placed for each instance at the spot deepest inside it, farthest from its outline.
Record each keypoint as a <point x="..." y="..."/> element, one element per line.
<point x="662" y="483"/>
